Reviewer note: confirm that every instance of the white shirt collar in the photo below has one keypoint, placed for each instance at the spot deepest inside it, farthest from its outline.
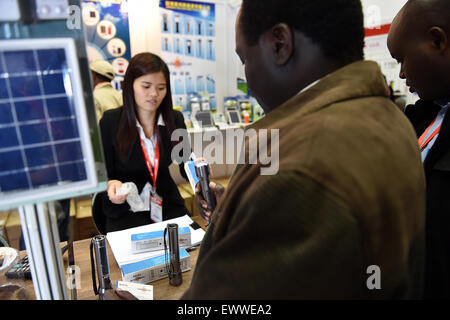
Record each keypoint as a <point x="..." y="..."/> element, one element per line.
<point x="141" y="131"/>
<point x="160" y="122"/>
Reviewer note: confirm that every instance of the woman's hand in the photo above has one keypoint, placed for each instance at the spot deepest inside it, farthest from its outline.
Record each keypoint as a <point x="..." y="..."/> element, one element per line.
<point x="113" y="188"/>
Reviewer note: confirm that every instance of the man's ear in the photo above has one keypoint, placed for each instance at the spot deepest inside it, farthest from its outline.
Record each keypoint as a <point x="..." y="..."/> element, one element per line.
<point x="439" y="38"/>
<point x="281" y="41"/>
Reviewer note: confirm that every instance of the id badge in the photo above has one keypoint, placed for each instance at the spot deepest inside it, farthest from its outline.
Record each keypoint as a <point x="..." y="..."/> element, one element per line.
<point x="156" y="203"/>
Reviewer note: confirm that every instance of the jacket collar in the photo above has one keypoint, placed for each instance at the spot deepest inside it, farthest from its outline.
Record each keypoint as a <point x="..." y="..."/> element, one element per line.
<point x="135" y="148"/>
<point x="103" y="85"/>
<point x="356" y="80"/>
<point x="443" y="102"/>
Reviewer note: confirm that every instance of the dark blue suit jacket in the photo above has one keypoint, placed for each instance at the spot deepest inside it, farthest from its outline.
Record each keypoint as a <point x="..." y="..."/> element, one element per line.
<point x="437" y="173"/>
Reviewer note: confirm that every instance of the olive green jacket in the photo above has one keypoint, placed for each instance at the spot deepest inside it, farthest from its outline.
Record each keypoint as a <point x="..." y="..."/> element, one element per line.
<point x="343" y="216"/>
<point x="106" y="97"/>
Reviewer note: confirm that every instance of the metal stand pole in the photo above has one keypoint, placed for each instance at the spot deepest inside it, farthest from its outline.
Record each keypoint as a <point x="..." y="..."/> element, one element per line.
<point x="39" y="228"/>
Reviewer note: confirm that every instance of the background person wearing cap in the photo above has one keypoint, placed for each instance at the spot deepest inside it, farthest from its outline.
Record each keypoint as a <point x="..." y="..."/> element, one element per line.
<point x="105" y="96"/>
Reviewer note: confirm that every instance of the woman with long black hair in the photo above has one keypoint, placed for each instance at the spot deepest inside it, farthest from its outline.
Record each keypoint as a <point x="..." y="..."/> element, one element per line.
<point x="137" y="146"/>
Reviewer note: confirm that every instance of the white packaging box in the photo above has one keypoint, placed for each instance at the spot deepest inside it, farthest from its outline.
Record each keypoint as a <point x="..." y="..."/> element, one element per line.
<point x="152" y="269"/>
<point x="154" y="241"/>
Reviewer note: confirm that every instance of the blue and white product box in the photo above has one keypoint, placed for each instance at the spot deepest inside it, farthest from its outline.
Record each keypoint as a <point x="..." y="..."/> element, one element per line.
<point x="153" y="269"/>
<point x="154" y="241"/>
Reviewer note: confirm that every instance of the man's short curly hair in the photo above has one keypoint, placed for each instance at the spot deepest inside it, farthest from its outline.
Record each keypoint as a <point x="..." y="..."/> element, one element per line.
<point x="337" y="26"/>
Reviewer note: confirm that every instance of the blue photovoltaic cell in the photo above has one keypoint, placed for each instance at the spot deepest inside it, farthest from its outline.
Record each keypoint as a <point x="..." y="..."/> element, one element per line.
<point x="11" y="160"/>
<point x="59" y="108"/>
<point x="40" y="144"/>
<point x="25" y="86"/>
<point x="30" y="110"/>
<point x="8" y="137"/>
<point x="73" y="171"/>
<point x="20" y="61"/>
<point x="5" y="113"/>
<point x="51" y="59"/>
<point x="16" y="181"/>
<point x="43" y="176"/>
<point x="34" y="133"/>
<point x="39" y="156"/>
<point x="64" y="129"/>
<point x="54" y="84"/>
<point x="70" y="151"/>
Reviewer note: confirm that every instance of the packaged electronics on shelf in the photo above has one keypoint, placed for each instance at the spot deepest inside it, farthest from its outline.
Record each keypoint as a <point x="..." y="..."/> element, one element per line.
<point x="194" y="103"/>
<point x="245" y="109"/>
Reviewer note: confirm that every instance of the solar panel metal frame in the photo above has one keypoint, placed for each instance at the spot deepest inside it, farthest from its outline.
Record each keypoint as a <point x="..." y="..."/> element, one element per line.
<point x="11" y="199"/>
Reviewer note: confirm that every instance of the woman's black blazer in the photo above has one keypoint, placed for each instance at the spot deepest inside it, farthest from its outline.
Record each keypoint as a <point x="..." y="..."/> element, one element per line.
<point x="132" y="168"/>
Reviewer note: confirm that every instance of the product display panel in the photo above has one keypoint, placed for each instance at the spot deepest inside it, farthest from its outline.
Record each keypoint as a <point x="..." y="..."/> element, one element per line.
<point x="44" y="137"/>
<point x="204" y="117"/>
<point x="234" y="117"/>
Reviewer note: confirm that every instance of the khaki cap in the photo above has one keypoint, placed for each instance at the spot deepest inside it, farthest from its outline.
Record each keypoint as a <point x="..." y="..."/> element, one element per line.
<point x="103" y="68"/>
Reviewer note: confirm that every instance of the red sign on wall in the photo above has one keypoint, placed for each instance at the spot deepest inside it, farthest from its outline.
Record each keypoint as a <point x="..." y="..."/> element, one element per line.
<point x="378" y="31"/>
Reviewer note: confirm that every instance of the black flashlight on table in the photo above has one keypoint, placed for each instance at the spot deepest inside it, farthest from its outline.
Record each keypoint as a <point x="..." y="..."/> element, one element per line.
<point x="98" y="247"/>
<point x="173" y="266"/>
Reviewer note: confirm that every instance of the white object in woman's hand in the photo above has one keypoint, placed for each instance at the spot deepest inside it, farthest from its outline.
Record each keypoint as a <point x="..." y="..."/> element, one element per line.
<point x="113" y="190"/>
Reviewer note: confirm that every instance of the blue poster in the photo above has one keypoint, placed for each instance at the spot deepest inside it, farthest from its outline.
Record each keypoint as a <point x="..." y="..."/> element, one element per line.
<point x="188" y="44"/>
<point x="191" y="25"/>
<point x="107" y="34"/>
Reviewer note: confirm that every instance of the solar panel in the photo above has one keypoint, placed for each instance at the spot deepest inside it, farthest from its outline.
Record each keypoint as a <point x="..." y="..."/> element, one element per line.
<point x="45" y="148"/>
<point x="234" y="117"/>
<point x="204" y="118"/>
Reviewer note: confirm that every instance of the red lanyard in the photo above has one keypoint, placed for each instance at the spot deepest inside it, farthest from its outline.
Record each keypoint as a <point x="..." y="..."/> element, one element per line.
<point x="153" y="173"/>
<point x="423" y="144"/>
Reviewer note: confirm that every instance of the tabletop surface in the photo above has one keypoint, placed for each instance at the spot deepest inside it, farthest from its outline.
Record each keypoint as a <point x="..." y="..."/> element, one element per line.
<point x="162" y="290"/>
